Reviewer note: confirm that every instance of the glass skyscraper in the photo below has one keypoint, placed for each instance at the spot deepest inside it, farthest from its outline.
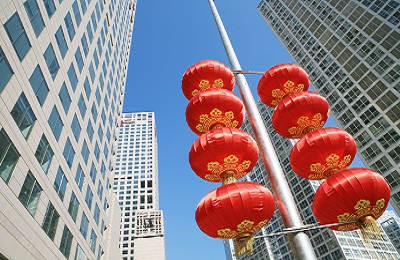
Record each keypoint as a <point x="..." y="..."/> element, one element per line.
<point x="63" y="66"/>
<point x="136" y="185"/>
<point x="327" y="244"/>
<point x="351" y="50"/>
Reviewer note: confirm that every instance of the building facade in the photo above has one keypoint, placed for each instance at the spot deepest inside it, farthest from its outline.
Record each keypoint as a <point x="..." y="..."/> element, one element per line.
<point x="390" y="222"/>
<point x="62" y="79"/>
<point x="351" y="50"/>
<point x="327" y="244"/>
<point x="136" y="184"/>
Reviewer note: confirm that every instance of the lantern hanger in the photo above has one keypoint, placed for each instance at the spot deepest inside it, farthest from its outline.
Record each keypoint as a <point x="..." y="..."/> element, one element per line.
<point x="247" y="72"/>
<point x="307" y="227"/>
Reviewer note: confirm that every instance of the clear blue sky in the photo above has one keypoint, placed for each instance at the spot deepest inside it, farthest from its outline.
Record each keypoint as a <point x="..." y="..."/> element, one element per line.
<point x="169" y="37"/>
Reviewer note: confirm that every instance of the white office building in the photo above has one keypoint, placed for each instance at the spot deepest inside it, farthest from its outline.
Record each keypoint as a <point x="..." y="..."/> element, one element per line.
<point x="351" y="50"/>
<point x="136" y="184"/>
<point x="62" y="77"/>
<point x="390" y="222"/>
<point x="327" y="244"/>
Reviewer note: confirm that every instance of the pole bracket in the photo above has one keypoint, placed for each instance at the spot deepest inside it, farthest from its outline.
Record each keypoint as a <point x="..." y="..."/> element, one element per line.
<point x="247" y="72"/>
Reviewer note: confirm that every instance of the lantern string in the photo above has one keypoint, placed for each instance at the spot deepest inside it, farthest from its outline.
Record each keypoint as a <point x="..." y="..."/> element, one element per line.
<point x="307" y="227"/>
<point x="247" y="72"/>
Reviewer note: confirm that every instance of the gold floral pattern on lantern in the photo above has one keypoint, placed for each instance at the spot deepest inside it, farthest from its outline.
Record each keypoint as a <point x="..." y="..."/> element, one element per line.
<point x="205" y="84"/>
<point x="306" y="125"/>
<point x="216" y="117"/>
<point x="288" y="87"/>
<point x="333" y="165"/>
<point x="244" y="229"/>
<point x="362" y="208"/>
<point x="231" y="163"/>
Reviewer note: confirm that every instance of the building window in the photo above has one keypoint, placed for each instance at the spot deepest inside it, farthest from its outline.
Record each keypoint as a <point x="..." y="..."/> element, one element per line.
<point x="50" y="7"/>
<point x="73" y="79"/>
<point x="23" y="115"/>
<point x="55" y="123"/>
<point x="96" y="214"/>
<point x="91" y="72"/>
<point x="5" y="70"/>
<point x="82" y="106"/>
<point x="69" y="152"/>
<point x="44" y="153"/>
<point x="70" y="26"/>
<point x="93" y="241"/>
<point x="61" y="41"/>
<point x="51" y="61"/>
<point x="89" y="130"/>
<point x="33" y="12"/>
<point x="85" y="152"/>
<point x="85" y="45"/>
<point x="17" y="35"/>
<point x="50" y="221"/>
<point x="89" y="197"/>
<point x="94" y="21"/>
<point x="30" y="193"/>
<point x="64" y="97"/>
<point x="93" y="173"/>
<point x="79" y="177"/>
<point x="87" y="88"/>
<point x="79" y="254"/>
<point x="83" y="5"/>
<point x="39" y="85"/>
<point x="60" y="183"/>
<point x="89" y="32"/>
<point x="66" y="241"/>
<point x="77" y="14"/>
<point x="78" y="58"/>
<point x="100" y="191"/>
<point x="76" y="128"/>
<point x="84" y="225"/>
<point x="73" y="206"/>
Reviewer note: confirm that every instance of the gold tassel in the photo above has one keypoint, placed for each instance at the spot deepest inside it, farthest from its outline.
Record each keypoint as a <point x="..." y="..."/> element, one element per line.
<point x="228" y="177"/>
<point x="369" y="229"/>
<point x="244" y="245"/>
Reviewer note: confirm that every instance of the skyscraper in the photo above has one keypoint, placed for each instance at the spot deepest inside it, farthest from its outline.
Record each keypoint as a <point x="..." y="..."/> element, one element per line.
<point x="351" y="50"/>
<point x="136" y="184"/>
<point x="327" y="244"/>
<point x="62" y="79"/>
<point x="391" y="224"/>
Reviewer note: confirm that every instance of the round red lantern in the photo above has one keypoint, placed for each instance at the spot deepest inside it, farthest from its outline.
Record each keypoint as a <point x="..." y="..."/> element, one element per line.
<point x="352" y="194"/>
<point x="299" y="114"/>
<point x="223" y="155"/>
<point x="235" y="210"/>
<point x="205" y="75"/>
<point x="280" y="81"/>
<point x="214" y="108"/>
<point x="323" y="152"/>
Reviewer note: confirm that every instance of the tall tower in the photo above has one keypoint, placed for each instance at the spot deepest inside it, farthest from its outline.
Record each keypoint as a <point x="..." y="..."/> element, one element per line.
<point x="136" y="184"/>
<point x="391" y="224"/>
<point x="62" y="79"/>
<point x="351" y="50"/>
<point x="327" y="244"/>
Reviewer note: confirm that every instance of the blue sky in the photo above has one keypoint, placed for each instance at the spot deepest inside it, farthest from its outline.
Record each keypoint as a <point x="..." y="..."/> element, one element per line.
<point x="168" y="38"/>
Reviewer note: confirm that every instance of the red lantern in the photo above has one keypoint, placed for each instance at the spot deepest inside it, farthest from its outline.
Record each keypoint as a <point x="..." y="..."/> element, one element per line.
<point x="235" y="210"/>
<point x="205" y="75"/>
<point x="214" y="108"/>
<point x="322" y="152"/>
<point x="299" y="114"/>
<point x="352" y="194"/>
<point x="280" y="81"/>
<point x="223" y="153"/>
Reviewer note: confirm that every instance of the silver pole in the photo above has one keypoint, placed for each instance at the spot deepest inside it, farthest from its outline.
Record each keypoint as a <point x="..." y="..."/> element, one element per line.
<point x="291" y="218"/>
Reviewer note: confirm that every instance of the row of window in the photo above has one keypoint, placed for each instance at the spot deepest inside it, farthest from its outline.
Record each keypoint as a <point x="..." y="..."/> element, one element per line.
<point x="31" y="191"/>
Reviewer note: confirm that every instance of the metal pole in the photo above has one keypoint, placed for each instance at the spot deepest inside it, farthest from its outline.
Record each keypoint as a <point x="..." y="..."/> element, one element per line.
<point x="290" y="215"/>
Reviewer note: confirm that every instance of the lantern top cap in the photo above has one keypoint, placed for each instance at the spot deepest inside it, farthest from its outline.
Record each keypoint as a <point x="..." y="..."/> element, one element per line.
<point x="207" y="74"/>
